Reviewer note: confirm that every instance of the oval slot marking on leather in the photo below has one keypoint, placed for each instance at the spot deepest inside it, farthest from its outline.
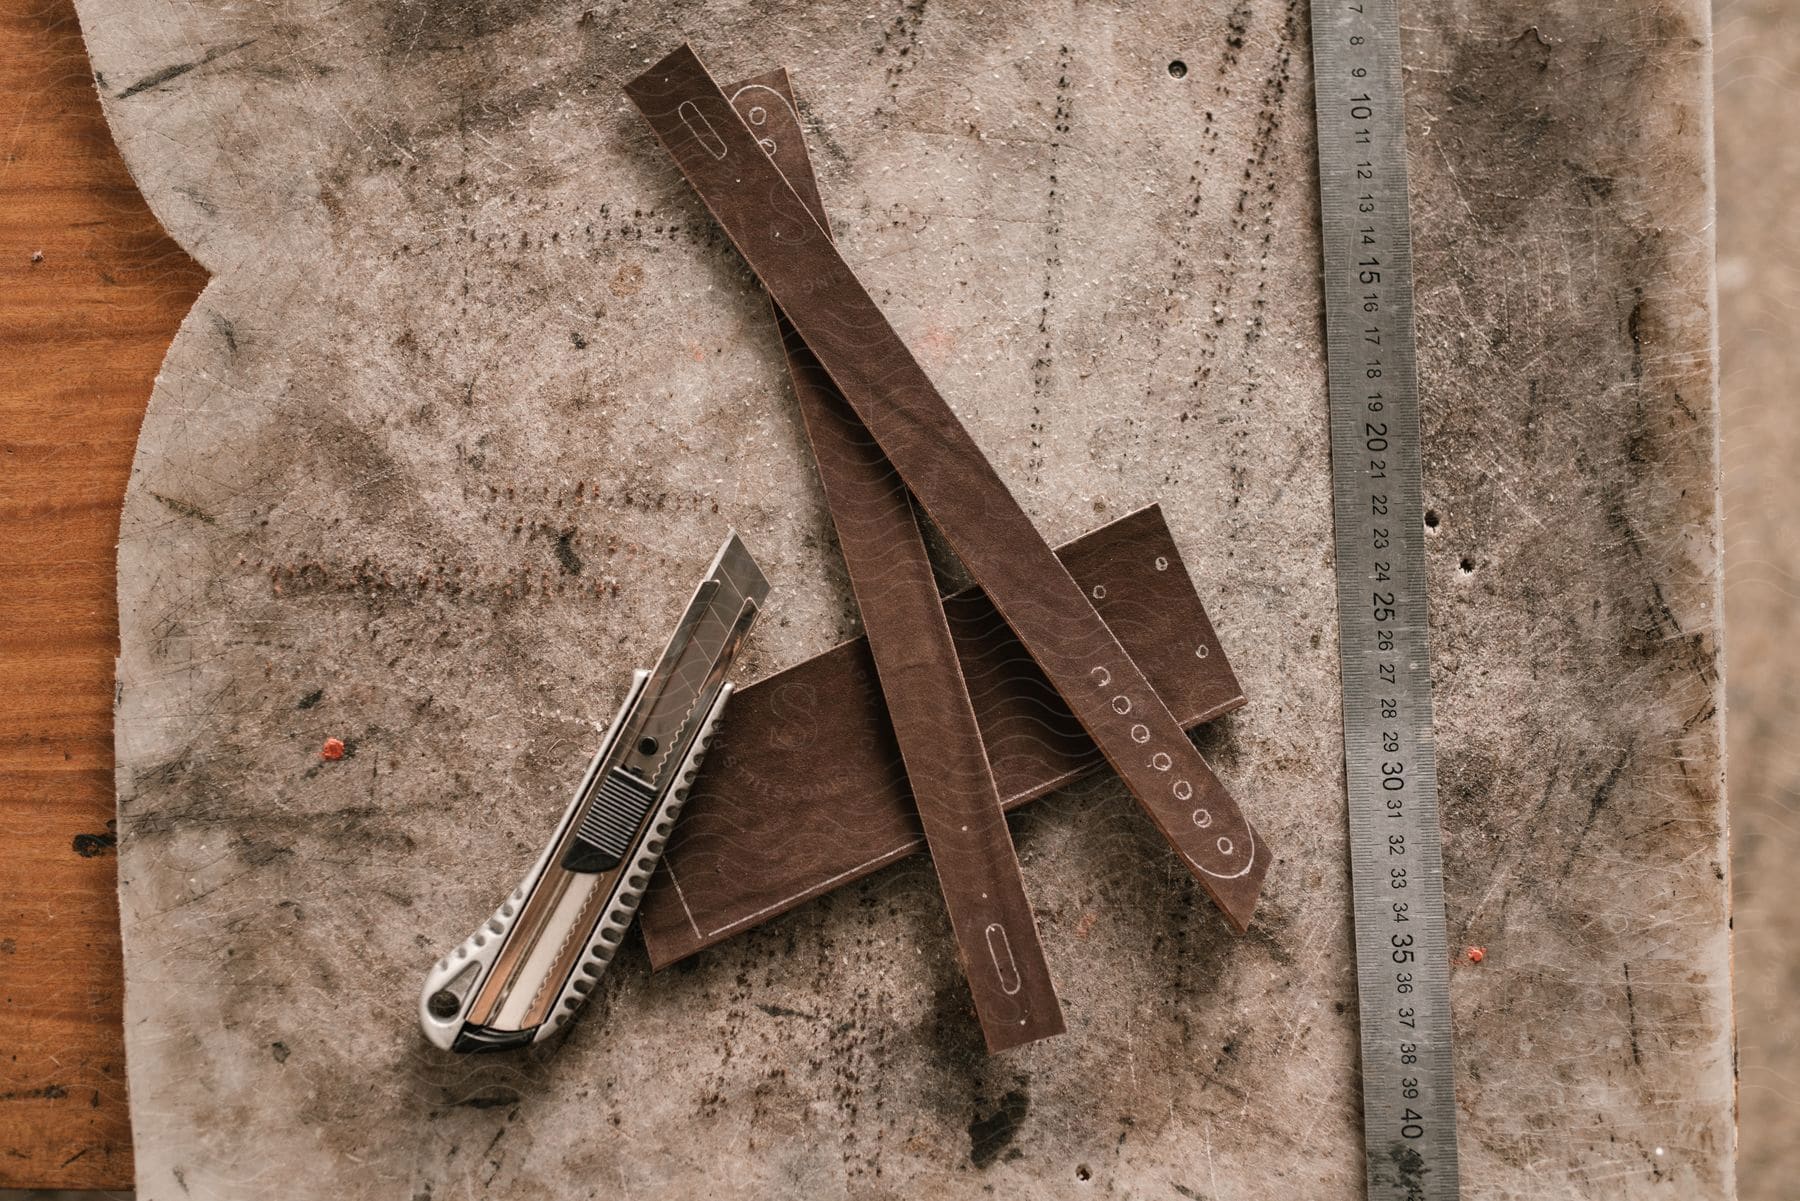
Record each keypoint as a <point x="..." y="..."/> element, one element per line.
<point x="1229" y="850"/>
<point x="1001" y="954"/>
<point x="701" y="128"/>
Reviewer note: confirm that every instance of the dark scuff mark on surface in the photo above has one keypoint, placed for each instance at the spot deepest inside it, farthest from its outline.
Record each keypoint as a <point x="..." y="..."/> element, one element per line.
<point x="565" y="552"/>
<point x="1634" y="327"/>
<point x="226" y="330"/>
<point x="1637" y="1056"/>
<point x="280" y="1051"/>
<point x="994" y="1132"/>
<point x="198" y="199"/>
<point x="49" y="1092"/>
<point x="782" y="1011"/>
<point x="187" y="509"/>
<point x="819" y="132"/>
<point x="488" y="1102"/>
<point x="1603" y="794"/>
<point x="164" y="75"/>
<point x="1062" y="121"/>
<point x="310" y="699"/>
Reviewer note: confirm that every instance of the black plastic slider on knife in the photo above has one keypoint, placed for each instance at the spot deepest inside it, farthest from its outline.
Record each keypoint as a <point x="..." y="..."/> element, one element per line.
<point x="950" y="477"/>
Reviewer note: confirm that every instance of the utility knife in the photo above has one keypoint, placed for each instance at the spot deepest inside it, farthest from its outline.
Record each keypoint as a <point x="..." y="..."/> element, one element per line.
<point x="526" y="971"/>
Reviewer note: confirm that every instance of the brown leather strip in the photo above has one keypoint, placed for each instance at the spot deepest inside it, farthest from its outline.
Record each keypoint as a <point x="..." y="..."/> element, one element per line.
<point x="803" y="790"/>
<point x="953" y="480"/>
<point x="915" y="659"/>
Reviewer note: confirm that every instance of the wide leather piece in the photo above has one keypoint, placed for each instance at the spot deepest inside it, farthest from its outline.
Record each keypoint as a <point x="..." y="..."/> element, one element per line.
<point x="804" y="790"/>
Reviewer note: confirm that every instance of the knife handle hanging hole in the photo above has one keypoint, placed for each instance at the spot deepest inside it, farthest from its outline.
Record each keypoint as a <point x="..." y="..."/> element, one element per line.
<point x="1177" y="69"/>
<point x="647" y="745"/>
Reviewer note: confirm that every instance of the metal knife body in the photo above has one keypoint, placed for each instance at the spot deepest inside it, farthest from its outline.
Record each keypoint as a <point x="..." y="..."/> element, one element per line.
<point x="527" y="970"/>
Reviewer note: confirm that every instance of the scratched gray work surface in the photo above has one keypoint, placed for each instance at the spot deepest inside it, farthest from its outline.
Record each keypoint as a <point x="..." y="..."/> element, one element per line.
<point x="477" y="387"/>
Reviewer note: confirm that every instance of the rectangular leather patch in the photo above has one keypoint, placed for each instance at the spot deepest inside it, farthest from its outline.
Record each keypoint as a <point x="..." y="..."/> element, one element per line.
<point x="804" y="791"/>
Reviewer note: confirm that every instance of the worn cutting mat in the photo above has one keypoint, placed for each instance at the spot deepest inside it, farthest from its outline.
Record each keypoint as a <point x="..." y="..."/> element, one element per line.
<point x="477" y="386"/>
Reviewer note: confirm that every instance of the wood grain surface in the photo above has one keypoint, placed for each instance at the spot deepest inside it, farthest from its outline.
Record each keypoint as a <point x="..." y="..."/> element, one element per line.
<point x="91" y="291"/>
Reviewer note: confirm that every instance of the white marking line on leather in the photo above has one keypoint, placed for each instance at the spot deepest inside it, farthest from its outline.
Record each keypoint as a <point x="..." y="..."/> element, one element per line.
<point x="1010" y="967"/>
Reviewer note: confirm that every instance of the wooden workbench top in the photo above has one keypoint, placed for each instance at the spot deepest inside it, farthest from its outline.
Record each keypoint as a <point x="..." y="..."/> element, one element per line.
<point x="91" y="290"/>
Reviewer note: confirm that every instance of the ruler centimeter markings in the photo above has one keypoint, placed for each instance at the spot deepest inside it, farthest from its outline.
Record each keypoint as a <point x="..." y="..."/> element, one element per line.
<point x="1402" y="955"/>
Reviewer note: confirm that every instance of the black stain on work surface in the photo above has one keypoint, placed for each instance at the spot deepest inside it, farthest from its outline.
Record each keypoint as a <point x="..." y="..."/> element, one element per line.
<point x="992" y="1133"/>
<point x="565" y="552"/>
<point x="164" y="75"/>
<point x="90" y="845"/>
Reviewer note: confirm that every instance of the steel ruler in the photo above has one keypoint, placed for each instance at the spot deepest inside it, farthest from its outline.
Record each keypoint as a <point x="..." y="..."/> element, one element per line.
<point x="1402" y="956"/>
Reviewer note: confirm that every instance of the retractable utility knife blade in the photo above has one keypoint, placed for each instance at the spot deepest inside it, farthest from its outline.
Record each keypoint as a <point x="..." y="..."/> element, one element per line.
<point x="527" y="970"/>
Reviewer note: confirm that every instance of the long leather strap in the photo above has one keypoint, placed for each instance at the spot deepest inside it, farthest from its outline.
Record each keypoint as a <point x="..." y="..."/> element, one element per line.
<point x="915" y="659"/>
<point x="803" y="790"/>
<point x="952" y="479"/>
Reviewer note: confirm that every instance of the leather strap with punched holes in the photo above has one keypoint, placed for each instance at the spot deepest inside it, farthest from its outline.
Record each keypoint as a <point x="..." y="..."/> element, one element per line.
<point x="915" y="659"/>
<point x="803" y="790"/>
<point x="954" y="482"/>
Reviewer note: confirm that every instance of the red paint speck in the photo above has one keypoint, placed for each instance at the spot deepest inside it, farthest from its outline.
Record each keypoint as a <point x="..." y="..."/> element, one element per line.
<point x="1477" y="954"/>
<point x="333" y="750"/>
